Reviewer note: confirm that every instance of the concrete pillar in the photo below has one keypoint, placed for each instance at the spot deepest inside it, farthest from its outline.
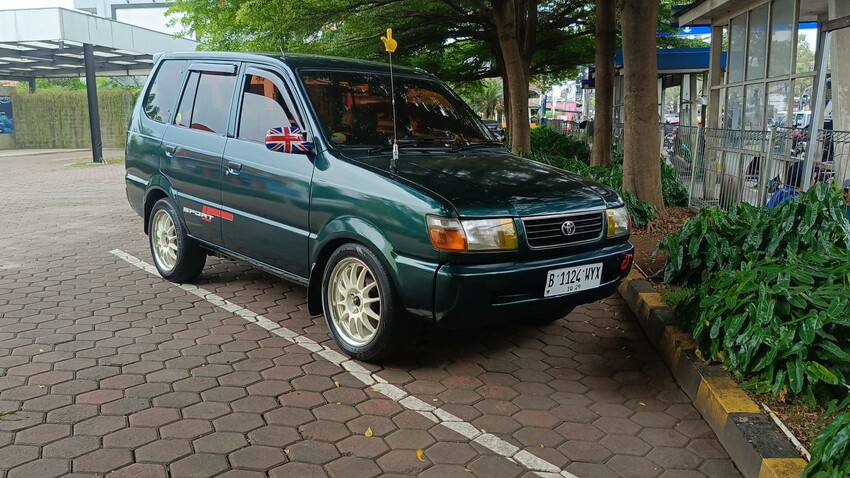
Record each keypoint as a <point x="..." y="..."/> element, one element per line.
<point x="840" y="85"/>
<point x="715" y="77"/>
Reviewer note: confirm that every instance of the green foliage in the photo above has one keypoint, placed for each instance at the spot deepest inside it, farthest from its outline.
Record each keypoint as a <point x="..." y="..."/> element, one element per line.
<point x="452" y="39"/>
<point x="58" y="118"/>
<point x="674" y="193"/>
<point x="781" y="324"/>
<point x="831" y="448"/>
<point x="548" y="142"/>
<point x="675" y="296"/>
<point x="716" y="241"/>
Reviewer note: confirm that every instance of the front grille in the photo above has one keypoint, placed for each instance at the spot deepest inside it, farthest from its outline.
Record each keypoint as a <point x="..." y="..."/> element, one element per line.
<point x="546" y="231"/>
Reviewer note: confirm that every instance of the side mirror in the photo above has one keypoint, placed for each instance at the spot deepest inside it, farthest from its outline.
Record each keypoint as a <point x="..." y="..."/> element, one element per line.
<point x="288" y="139"/>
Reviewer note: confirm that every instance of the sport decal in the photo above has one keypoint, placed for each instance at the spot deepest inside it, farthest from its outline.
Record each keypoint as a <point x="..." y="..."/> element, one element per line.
<point x="208" y="213"/>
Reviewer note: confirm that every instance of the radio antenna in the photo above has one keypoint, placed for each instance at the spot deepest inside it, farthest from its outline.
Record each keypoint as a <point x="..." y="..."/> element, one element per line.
<point x="390" y="45"/>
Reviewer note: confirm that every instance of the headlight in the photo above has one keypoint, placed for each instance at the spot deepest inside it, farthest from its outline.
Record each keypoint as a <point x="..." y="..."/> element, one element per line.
<point x="619" y="222"/>
<point x="450" y="234"/>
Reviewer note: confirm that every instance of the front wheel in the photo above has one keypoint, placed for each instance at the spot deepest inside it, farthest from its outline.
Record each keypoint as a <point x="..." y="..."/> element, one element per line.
<point x="364" y="316"/>
<point x="177" y="256"/>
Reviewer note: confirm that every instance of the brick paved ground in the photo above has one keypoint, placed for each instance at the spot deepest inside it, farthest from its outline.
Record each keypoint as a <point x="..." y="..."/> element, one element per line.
<point x="107" y="369"/>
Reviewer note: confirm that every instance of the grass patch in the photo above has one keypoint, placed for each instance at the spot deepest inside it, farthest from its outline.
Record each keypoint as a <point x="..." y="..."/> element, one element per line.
<point x="106" y="161"/>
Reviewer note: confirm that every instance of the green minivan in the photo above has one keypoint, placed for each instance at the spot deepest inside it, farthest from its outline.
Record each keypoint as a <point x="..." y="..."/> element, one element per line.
<point x="289" y="164"/>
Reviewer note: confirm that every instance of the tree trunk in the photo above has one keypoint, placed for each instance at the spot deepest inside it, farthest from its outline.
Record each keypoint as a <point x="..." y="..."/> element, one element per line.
<point x="641" y="163"/>
<point x="516" y="75"/>
<point x="604" y="110"/>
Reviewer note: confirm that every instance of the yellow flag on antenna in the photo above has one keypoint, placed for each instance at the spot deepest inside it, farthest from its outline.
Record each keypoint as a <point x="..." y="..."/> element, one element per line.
<point x="389" y="43"/>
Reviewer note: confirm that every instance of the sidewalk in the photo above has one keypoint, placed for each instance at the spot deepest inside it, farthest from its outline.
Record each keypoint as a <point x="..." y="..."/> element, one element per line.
<point x="66" y="153"/>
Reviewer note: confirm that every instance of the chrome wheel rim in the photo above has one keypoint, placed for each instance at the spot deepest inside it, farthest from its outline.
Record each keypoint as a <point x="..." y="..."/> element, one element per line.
<point x="164" y="235"/>
<point x="355" y="301"/>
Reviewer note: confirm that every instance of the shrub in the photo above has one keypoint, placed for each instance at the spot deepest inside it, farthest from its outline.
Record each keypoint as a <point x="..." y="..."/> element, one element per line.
<point x="549" y="142"/>
<point x="831" y="448"/>
<point x="781" y="325"/>
<point x="715" y="241"/>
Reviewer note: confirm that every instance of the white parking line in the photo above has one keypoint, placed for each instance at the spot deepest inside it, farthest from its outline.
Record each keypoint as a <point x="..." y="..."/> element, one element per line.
<point x="533" y="463"/>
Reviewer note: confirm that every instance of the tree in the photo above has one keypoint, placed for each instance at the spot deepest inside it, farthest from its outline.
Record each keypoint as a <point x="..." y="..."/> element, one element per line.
<point x="485" y="97"/>
<point x="458" y="40"/>
<point x="606" y="41"/>
<point x="641" y="167"/>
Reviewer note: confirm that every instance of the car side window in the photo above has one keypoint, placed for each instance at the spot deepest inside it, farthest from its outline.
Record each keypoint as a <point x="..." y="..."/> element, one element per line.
<point x="205" y="104"/>
<point x="263" y="107"/>
<point x="159" y="100"/>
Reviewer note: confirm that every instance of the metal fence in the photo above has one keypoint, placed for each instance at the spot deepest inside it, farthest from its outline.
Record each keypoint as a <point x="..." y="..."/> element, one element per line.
<point x="724" y="167"/>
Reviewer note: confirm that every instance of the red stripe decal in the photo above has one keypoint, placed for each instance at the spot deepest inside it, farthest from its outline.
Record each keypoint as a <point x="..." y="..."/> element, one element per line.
<point x="217" y="213"/>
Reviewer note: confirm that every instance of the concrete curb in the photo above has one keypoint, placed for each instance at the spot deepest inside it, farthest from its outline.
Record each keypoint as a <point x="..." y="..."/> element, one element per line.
<point x="757" y="447"/>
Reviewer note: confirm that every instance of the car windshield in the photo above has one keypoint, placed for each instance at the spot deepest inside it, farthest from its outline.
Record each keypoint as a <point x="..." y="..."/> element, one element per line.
<point x="355" y="109"/>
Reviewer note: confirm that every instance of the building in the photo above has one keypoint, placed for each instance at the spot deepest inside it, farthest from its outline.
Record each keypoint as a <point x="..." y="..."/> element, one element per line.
<point x="149" y="14"/>
<point x="785" y="69"/>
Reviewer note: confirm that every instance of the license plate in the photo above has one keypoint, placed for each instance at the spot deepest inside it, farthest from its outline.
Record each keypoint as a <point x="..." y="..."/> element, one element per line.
<point x="570" y="280"/>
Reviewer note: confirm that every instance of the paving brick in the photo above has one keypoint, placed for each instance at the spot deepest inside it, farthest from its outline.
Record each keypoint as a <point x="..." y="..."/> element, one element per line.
<point x="352" y="467"/>
<point x="163" y="451"/>
<point x="43" y="468"/>
<point x="140" y="470"/>
<point x="130" y="438"/>
<point x="311" y="451"/>
<point x="14" y="455"/>
<point x="188" y="428"/>
<point x="71" y="447"/>
<point x="42" y="434"/>
<point x="103" y="460"/>
<point x="199" y="464"/>
<point x="100" y="426"/>
<point x="637" y="467"/>
<point x="255" y="457"/>
<point x="220" y="443"/>
<point x="301" y="470"/>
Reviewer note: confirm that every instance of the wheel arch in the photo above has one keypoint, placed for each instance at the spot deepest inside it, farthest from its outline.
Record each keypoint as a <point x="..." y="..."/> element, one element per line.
<point x="154" y="194"/>
<point x="335" y="234"/>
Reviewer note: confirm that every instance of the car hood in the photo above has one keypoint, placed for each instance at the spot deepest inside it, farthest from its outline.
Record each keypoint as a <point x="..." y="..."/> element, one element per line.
<point x="492" y="184"/>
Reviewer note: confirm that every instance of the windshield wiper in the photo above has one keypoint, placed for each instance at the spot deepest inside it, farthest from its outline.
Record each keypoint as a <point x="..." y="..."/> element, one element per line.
<point x="477" y="144"/>
<point x="407" y="142"/>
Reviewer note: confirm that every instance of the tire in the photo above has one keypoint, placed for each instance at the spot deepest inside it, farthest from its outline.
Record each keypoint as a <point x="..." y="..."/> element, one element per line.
<point x="361" y="306"/>
<point x="176" y="256"/>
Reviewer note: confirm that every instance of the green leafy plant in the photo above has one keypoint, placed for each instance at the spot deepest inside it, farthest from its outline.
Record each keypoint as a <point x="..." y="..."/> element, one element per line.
<point x="714" y="240"/>
<point x="675" y="195"/>
<point x="549" y="142"/>
<point x="780" y="325"/>
<point x="831" y="448"/>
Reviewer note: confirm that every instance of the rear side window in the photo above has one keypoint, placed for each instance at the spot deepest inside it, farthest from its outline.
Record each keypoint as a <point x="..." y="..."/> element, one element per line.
<point x="163" y="91"/>
<point x="205" y="104"/>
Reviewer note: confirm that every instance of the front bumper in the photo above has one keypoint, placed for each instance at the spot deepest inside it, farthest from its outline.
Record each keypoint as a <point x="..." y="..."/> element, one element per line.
<point x="470" y="295"/>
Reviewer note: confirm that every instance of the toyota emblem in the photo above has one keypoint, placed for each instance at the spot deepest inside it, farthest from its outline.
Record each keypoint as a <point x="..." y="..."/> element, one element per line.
<point x="568" y="228"/>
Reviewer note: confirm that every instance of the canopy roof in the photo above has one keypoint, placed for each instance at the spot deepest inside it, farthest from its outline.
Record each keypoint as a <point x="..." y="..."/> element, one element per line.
<point x="48" y="43"/>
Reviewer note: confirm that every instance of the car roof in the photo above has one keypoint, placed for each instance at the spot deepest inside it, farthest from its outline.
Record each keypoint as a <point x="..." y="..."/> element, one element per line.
<point x="298" y="61"/>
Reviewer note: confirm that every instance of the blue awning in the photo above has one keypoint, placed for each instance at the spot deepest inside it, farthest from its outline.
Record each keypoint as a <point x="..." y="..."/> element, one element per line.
<point x="679" y="60"/>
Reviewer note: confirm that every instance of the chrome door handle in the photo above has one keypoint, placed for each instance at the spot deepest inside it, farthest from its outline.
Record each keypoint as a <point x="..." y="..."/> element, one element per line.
<point x="233" y="168"/>
<point x="170" y="149"/>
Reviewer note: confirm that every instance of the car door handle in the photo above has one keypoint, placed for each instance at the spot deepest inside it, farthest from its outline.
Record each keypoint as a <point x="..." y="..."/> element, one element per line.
<point x="170" y="149"/>
<point x="233" y="168"/>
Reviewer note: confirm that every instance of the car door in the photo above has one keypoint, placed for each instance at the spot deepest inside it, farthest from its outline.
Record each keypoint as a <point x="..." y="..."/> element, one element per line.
<point x="194" y="143"/>
<point x="266" y="192"/>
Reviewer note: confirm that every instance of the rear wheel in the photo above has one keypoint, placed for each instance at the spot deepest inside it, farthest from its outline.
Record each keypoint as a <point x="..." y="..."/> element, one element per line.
<point x="360" y="304"/>
<point x="177" y="257"/>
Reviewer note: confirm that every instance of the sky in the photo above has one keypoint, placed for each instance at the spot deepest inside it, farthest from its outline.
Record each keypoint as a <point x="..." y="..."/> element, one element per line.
<point x="16" y="4"/>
